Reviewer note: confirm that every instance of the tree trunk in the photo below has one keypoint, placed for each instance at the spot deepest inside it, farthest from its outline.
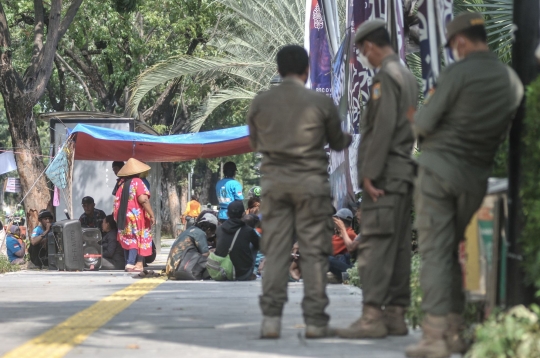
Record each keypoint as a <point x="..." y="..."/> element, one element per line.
<point x="25" y="139"/>
<point x="172" y="195"/>
<point x="207" y="190"/>
<point x="183" y="196"/>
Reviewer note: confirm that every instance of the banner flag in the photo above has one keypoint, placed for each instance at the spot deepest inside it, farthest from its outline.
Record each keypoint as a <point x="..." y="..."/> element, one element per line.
<point x="331" y="20"/>
<point x="7" y="162"/>
<point x="433" y="17"/>
<point x="316" y="43"/>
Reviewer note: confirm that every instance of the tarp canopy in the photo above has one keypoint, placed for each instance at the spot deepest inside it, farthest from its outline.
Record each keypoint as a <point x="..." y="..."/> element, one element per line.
<point x="98" y="143"/>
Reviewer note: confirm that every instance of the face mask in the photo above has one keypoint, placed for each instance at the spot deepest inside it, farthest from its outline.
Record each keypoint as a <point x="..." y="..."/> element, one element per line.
<point x="364" y="61"/>
<point x="455" y="55"/>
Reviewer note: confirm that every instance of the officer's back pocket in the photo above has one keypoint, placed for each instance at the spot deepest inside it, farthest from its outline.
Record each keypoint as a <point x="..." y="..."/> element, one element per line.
<point x="378" y="218"/>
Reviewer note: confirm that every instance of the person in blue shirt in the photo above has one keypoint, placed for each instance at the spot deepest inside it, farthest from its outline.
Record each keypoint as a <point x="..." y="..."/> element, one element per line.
<point x="37" y="249"/>
<point x="15" y="245"/>
<point x="228" y="190"/>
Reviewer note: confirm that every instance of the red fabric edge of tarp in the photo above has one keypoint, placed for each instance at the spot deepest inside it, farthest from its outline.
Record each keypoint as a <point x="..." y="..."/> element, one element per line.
<point x="90" y="148"/>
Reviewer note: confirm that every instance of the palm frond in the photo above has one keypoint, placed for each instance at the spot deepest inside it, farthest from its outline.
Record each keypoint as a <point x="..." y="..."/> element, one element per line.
<point x="184" y="66"/>
<point x="215" y="101"/>
<point x="499" y="22"/>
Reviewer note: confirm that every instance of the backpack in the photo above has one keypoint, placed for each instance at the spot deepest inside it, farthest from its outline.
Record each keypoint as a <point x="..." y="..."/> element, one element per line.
<point x="222" y="268"/>
<point x="191" y="265"/>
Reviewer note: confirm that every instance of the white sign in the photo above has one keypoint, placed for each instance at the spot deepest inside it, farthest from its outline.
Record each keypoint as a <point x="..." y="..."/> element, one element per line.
<point x="13" y="185"/>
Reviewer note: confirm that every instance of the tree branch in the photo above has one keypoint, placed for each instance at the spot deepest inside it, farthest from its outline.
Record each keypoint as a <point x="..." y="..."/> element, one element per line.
<point x="162" y="111"/>
<point x="94" y="77"/>
<point x="58" y="105"/>
<point x="83" y="84"/>
<point x="70" y="15"/>
<point x="39" y="25"/>
<point x="5" y="37"/>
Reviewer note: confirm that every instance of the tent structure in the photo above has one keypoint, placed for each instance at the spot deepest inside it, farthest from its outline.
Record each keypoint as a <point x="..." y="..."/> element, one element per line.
<point x="98" y="143"/>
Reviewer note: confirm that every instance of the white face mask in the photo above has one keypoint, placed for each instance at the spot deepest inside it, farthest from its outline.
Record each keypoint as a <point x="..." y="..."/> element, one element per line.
<point x="364" y="60"/>
<point x="455" y="55"/>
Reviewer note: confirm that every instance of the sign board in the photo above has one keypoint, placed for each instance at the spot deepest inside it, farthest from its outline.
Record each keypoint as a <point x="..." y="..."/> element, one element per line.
<point x="13" y="185"/>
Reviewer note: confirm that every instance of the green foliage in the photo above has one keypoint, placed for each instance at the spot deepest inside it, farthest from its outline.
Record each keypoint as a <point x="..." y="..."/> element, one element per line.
<point x="515" y="333"/>
<point x="125" y="6"/>
<point x="242" y="61"/>
<point x="530" y="190"/>
<point x="6" y="266"/>
<point x="414" y="314"/>
<point x="354" y="278"/>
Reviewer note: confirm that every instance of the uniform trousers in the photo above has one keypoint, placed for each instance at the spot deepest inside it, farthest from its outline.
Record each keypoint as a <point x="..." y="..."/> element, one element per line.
<point x="384" y="253"/>
<point x="442" y="215"/>
<point x="307" y="218"/>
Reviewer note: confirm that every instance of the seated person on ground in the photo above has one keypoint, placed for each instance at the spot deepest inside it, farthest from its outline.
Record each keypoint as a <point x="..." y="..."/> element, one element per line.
<point x="254" y="221"/>
<point x="344" y="243"/>
<point x="38" y="250"/>
<point x="15" y="245"/>
<point x="244" y="250"/>
<point x="112" y="251"/>
<point x="192" y="242"/>
<point x="254" y="206"/>
<point x="91" y="217"/>
<point x="294" y="270"/>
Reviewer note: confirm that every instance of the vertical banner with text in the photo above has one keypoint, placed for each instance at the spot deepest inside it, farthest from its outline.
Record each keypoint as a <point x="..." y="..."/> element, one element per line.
<point x="316" y="43"/>
<point x="433" y="15"/>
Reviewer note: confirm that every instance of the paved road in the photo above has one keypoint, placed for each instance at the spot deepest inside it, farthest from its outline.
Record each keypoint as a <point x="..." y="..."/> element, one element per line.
<point x="194" y="319"/>
<point x="189" y="319"/>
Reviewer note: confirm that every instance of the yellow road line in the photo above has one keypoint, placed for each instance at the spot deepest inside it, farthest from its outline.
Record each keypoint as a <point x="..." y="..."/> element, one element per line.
<point x="59" y="340"/>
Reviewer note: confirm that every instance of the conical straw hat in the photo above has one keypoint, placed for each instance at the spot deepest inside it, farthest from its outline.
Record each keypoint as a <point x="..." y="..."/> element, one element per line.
<point x="132" y="167"/>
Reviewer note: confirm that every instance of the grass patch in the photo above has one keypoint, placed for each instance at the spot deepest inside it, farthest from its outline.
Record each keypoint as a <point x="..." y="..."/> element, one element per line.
<point x="6" y="266"/>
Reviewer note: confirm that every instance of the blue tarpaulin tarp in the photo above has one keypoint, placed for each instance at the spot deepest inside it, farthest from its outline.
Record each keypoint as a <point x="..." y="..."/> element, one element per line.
<point x="98" y="143"/>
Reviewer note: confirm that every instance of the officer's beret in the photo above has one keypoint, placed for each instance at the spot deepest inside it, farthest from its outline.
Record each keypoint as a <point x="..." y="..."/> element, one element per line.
<point x="462" y="22"/>
<point x="368" y="27"/>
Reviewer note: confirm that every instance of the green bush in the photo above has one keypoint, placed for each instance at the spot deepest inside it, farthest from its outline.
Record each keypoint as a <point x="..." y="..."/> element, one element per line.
<point x="530" y="190"/>
<point x="354" y="279"/>
<point x="515" y="333"/>
<point x="414" y="313"/>
<point x="6" y="266"/>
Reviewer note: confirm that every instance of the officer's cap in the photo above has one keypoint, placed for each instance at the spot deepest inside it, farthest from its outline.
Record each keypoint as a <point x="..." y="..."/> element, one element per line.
<point x="368" y="27"/>
<point x="462" y="22"/>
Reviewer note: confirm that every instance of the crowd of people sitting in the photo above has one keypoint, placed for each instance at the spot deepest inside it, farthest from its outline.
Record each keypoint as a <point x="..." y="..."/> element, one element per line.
<point x="234" y="232"/>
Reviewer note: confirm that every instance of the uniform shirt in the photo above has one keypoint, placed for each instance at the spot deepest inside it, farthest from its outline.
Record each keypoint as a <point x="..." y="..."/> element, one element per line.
<point x="339" y="244"/>
<point x="95" y="221"/>
<point x="193" y="209"/>
<point x="290" y="125"/>
<point x="12" y="246"/>
<point x="466" y="118"/>
<point x="385" y="150"/>
<point x="227" y="191"/>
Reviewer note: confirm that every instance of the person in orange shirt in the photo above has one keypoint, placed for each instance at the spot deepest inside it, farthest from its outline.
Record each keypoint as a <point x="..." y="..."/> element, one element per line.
<point x="193" y="209"/>
<point x="343" y="242"/>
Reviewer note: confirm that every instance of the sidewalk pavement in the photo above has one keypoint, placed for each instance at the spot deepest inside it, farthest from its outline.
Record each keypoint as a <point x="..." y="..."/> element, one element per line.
<point x="189" y="319"/>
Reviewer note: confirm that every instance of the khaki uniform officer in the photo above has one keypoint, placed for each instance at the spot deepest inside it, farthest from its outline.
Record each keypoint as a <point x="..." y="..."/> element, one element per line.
<point x="290" y="125"/>
<point x="459" y="130"/>
<point x="386" y="171"/>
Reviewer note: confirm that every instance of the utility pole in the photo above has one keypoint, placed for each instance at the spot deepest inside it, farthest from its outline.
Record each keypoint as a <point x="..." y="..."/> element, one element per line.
<point x="527" y="21"/>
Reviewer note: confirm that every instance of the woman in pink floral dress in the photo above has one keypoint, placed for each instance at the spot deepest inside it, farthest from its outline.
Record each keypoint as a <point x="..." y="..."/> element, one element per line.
<point x="134" y="215"/>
